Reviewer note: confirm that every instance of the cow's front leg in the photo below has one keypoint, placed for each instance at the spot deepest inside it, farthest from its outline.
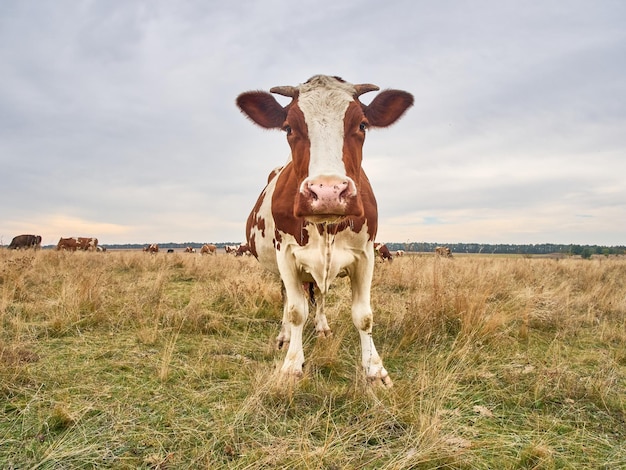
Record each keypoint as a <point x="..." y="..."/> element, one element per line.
<point x="296" y="312"/>
<point x="363" y="319"/>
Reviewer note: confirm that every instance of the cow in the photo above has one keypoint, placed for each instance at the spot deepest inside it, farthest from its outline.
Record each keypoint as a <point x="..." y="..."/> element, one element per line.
<point x="400" y="253"/>
<point x="87" y="244"/>
<point x="230" y="249"/>
<point x="170" y="250"/>
<point x="190" y="249"/>
<point x="208" y="249"/>
<point x="25" y="241"/>
<point x="70" y="244"/>
<point x="443" y="251"/>
<point x="382" y="251"/>
<point x="317" y="217"/>
<point x="78" y="243"/>
<point x="152" y="248"/>
<point x="243" y="249"/>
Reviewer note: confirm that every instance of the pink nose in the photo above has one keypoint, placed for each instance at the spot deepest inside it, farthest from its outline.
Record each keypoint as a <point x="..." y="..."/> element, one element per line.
<point x="328" y="191"/>
<point x="328" y="195"/>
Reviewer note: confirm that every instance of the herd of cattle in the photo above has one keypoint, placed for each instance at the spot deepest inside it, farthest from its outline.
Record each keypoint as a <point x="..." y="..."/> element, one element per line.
<point x="70" y="244"/>
<point x="91" y="244"/>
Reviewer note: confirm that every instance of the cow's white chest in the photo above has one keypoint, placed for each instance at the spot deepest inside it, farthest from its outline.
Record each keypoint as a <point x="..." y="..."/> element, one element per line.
<point x="325" y="256"/>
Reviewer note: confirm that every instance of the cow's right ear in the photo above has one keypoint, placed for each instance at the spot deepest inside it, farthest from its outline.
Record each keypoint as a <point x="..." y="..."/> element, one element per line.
<point x="262" y="108"/>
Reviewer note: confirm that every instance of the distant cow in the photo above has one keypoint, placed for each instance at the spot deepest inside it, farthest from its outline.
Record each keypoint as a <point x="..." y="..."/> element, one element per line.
<point x="230" y="249"/>
<point x="400" y="253"/>
<point x="208" y="249"/>
<point x="170" y="250"/>
<point x="78" y="243"/>
<point x="190" y="249"/>
<point x="70" y="244"/>
<point x="443" y="251"/>
<point x="153" y="248"/>
<point x="243" y="249"/>
<point x="382" y="251"/>
<point x="87" y="244"/>
<point x="25" y="241"/>
<point x="317" y="217"/>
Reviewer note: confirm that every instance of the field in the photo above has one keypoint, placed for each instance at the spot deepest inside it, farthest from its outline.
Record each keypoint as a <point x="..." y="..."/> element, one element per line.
<point x="130" y="360"/>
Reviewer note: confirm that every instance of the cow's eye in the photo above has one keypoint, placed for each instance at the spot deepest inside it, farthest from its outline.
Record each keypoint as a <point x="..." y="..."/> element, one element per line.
<point x="363" y="126"/>
<point x="287" y="129"/>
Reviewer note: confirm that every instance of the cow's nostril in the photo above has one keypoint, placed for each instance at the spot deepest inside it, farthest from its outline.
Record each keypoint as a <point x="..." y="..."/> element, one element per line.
<point x="343" y="194"/>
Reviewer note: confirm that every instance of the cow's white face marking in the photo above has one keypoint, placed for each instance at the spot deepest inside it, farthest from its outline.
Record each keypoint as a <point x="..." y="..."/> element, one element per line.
<point x="324" y="110"/>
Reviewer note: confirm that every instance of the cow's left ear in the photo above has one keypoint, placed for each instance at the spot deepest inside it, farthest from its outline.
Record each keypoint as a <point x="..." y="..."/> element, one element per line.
<point x="387" y="107"/>
<point x="262" y="108"/>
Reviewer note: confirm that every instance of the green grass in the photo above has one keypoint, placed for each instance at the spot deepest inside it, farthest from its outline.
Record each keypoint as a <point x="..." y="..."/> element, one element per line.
<point x="127" y="360"/>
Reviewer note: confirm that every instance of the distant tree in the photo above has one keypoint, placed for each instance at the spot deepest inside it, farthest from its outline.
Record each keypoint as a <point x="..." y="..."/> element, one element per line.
<point x="586" y="253"/>
<point x="575" y="250"/>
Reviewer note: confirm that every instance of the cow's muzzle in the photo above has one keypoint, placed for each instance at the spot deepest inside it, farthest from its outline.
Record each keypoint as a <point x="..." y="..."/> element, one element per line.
<point x="326" y="197"/>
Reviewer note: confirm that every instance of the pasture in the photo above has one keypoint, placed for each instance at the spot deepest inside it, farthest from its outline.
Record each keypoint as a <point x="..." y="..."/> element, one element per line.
<point x="167" y="361"/>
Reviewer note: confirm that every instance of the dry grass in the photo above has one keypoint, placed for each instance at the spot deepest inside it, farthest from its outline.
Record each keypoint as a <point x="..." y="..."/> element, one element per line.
<point x="128" y="360"/>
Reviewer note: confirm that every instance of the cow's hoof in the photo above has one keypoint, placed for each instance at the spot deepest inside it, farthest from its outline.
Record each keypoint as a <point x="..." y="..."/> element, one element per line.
<point x="384" y="381"/>
<point x="324" y="333"/>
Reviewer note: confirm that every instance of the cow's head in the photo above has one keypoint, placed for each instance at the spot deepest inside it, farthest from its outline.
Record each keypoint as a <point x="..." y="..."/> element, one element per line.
<point x="325" y="125"/>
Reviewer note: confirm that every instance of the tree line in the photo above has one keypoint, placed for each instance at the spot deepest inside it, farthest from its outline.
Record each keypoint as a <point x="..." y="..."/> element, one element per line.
<point x="507" y="248"/>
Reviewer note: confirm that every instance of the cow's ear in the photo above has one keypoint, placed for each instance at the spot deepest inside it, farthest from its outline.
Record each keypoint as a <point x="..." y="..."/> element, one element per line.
<point x="262" y="108"/>
<point x="387" y="107"/>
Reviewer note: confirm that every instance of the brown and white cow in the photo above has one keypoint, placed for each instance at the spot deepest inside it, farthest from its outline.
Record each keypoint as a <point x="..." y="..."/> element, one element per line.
<point x="382" y="251"/>
<point x="208" y="249"/>
<point x="317" y="217"/>
<point x="78" y="243"/>
<point x="25" y="241"/>
<point x="87" y="243"/>
<point x="230" y="249"/>
<point x="243" y="249"/>
<point x="443" y="251"/>
<point x="152" y="248"/>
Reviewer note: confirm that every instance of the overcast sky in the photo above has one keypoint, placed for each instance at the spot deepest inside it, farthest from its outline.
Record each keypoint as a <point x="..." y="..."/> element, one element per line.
<point x="118" y="118"/>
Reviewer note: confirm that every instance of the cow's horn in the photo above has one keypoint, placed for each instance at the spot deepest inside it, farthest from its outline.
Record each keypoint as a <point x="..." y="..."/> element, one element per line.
<point x="364" y="88"/>
<point x="289" y="91"/>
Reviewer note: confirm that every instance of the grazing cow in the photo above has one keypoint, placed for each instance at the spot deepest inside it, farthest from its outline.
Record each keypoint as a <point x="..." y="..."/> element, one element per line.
<point x="208" y="249"/>
<point x="189" y="249"/>
<point x="170" y="250"/>
<point x="25" y="241"/>
<point x="101" y="249"/>
<point x="443" y="251"/>
<point x="152" y="248"/>
<point x="87" y="244"/>
<point x="243" y="249"/>
<point x="70" y="244"/>
<point x="382" y="251"/>
<point x="230" y="249"/>
<point x="400" y="253"/>
<point x="317" y="217"/>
